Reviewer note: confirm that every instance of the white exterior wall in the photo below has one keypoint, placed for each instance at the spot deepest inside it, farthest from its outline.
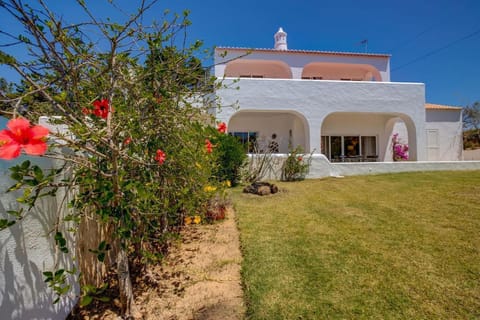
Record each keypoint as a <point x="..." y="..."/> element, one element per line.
<point x="27" y="249"/>
<point x="444" y="135"/>
<point x="297" y="61"/>
<point x="316" y="100"/>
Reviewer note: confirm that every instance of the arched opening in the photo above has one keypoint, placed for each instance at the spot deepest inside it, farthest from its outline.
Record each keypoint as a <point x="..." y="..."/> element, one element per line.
<point x="403" y="127"/>
<point x="250" y="68"/>
<point x="273" y="131"/>
<point x="365" y="137"/>
<point x="340" y="71"/>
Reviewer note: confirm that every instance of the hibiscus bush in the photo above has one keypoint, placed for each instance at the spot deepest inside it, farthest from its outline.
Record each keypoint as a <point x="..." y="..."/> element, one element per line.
<point x="231" y="156"/>
<point x="296" y="165"/>
<point x="127" y="117"/>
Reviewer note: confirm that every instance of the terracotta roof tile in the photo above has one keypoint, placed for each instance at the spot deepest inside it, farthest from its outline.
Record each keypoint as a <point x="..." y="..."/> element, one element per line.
<point x="431" y="106"/>
<point x="308" y="51"/>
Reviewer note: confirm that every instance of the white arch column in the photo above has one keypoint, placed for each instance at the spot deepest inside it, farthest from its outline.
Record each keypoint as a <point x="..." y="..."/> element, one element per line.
<point x="315" y="129"/>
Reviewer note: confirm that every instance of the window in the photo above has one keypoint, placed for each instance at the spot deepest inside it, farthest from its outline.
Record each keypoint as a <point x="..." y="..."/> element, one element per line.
<point x="312" y="78"/>
<point x="350" y="148"/>
<point x="248" y="139"/>
<point x="251" y="76"/>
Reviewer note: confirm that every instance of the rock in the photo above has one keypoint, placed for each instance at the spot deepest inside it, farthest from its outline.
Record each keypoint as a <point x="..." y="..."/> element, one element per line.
<point x="249" y="189"/>
<point x="261" y="188"/>
<point x="274" y="188"/>
<point x="264" y="190"/>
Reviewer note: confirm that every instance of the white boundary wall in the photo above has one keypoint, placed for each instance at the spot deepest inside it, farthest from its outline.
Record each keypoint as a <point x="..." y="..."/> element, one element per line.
<point x="27" y="249"/>
<point x="321" y="168"/>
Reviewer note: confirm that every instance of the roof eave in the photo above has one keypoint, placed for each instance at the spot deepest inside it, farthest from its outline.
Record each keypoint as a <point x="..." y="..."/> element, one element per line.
<point x="307" y="51"/>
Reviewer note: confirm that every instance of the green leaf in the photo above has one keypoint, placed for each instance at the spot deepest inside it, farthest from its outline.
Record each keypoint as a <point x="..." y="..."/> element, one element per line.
<point x="63" y="290"/>
<point x="38" y="173"/>
<point x="6" y="58"/>
<point x="4" y="223"/>
<point x="103" y="299"/>
<point x="101" y="257"/>
<point x="59" y="272"/>
<point x="14" y="187"/>
<point x="86" y="300"/>
<point x="16" y="176"/>
<point x="24" y="39"/>
<point x="48" y="276"/>
<point x="17" y="214"/>
<point x="25" y="164"/>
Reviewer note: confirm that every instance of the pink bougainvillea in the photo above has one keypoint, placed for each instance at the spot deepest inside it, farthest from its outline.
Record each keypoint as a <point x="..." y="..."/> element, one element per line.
<point x="400" y="150"/>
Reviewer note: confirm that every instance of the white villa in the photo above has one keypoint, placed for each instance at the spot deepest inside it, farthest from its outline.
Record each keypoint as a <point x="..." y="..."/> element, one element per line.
<point x="340" y="104"/>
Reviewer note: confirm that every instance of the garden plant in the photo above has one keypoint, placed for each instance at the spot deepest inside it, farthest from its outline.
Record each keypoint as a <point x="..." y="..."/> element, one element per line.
<point x="127" y="120"/>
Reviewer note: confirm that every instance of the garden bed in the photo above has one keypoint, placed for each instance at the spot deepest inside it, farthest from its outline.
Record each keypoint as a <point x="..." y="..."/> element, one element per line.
<point x="199" y="279"/>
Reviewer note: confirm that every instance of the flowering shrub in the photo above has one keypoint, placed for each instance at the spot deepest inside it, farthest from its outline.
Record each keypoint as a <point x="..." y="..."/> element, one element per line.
<point x="400" y="150"/>
<point x="230" y="156"/>
<point x="130" y="152"/>
<point x="295" y="166"/>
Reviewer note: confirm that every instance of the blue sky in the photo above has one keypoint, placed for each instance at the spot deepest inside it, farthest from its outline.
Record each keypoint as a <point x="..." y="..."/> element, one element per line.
<point x="436" y="42"/>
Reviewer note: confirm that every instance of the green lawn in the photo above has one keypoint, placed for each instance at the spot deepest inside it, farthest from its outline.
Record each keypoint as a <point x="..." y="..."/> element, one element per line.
<point x="399" y="246"/>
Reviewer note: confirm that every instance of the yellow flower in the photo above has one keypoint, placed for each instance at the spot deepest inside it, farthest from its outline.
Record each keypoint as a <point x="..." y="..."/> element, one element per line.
<point x="187" y="220"/>
<point x="197" y="219"/>
<point x="198" y="165"/>
<point x="209" y="188"/>
<point x="228" y="183"/>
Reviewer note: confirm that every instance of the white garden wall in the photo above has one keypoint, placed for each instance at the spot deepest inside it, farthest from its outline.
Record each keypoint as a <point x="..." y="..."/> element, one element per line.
<point x="27" y="250"/>
<point x="320" y="167"/>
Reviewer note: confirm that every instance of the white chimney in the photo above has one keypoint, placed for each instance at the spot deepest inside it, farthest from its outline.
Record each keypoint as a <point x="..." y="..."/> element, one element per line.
<point x="280" y="40"/>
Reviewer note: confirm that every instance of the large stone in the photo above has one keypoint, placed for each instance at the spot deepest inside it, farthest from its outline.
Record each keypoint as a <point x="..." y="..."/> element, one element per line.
<point x="250" y="189"/>
<point x="274" y="188"/>
<point x="261" y="188"/>
<point x="264" y="190"/>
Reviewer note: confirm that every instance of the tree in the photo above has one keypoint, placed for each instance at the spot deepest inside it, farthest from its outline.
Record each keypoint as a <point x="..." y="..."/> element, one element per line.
<point x="471" y="124"/>
<point x="134" y="128"/>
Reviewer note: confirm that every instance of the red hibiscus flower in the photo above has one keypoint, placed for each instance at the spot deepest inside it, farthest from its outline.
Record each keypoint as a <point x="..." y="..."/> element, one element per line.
<point x="160" y="157"/>
<point x="21" y="135"/>
<point x="208" y="146"/>
<point x="100" y="108"/>
<point x="222" y="127"/>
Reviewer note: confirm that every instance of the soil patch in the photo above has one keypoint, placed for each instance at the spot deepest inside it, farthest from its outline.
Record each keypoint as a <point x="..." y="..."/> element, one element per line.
<point x="199" y="279"/>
